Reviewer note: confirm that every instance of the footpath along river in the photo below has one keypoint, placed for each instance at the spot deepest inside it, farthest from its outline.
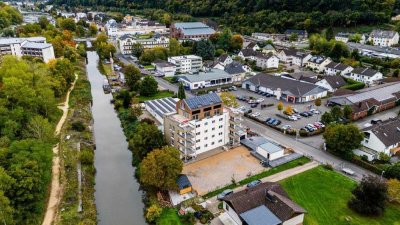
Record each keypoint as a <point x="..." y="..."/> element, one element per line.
<point x="118" y="198"/>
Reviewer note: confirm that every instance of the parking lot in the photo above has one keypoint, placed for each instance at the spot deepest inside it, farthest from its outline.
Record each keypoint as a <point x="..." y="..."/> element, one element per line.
<point x="271" y="111"/>
<point x="237" y="163"/>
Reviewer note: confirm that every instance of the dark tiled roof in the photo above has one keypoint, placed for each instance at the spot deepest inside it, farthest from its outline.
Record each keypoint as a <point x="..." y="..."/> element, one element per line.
<point x="383" y="33"/>
<point x="309" y="80"/>
<point x="234" y="68"/>
<point x="162" y="63"/>
<point x="364" y="71"/>
<point x="248" y="52"/>
<point x="268" y="194"/>
<point x="365" y="105"/>
<point x="335" y="81"/>
<point x="293" y="87"/>
<point x="341" y="92"/>
<point x="223" y="57"/>
<point x="302" y="74"/>
<point x="251" y="45"/>
<point x="294" y="52"/>
<point x="337" y="66"/>
<point x="197" y="102"/>
<point x="387" y="131"/>
<point x="183" y="182"/>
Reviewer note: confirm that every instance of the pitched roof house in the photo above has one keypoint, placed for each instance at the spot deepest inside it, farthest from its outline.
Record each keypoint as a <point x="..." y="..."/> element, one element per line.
<point x="264" y="204"/>
<point x="366" y="75"/>
<point x="337" y="69"/>
<point x="293" y="56"/>
<point x="384" y="37"/>
<point x="331" y="83"/>
<point x="318" y="63"/>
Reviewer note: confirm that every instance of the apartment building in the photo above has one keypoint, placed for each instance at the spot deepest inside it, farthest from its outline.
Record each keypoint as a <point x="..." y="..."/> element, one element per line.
<point x="201" y="124"/>
<point x="191" y="30"/>
<point x="187" y="63"/>
<point x="33" y="46"/>
<point x="384" y="38"/>
<point x="127" y="41"/>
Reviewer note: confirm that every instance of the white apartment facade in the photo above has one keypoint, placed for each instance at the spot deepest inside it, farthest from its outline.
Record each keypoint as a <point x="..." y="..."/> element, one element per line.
<point x="384" y="38"/>
<point x="187" y="63"/>
<point x="126" y="42"/>
<point x="34" y="47"/>
<point x="333" y="69"/>
<point x="267" y="61"/>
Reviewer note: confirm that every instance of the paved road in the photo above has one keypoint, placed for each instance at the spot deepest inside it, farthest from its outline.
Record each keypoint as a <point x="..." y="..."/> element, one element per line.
<point x="306" y="149"/>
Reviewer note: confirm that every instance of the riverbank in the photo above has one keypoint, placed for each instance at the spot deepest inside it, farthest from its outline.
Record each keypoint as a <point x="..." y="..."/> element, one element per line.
<point x="77" y="153"/>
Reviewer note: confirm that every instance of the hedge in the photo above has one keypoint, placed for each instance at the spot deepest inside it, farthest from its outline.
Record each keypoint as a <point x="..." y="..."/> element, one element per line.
<point x="366" y="165"/>
<point x="354" y="87"/>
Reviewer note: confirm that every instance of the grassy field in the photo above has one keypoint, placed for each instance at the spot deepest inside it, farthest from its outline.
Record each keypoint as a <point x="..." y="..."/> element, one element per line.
<point x="160" y="94"/>
<point x="286" y="166"/>
<point x="149" y="67"/>
<point x="169" y="216"/>
<point x="324" y="194"/>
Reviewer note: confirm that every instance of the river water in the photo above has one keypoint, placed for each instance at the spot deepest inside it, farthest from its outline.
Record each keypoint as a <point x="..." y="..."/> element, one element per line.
<point x="118" y="198"/>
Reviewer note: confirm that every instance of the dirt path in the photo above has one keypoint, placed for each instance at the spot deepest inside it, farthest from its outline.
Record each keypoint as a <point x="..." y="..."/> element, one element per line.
<point x="55" y="191"/>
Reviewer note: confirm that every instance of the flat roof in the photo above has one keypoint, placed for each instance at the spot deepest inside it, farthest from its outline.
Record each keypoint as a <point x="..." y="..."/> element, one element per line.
<point x="213" y="74"/>
<point x="260" y="215"/>
<point x="36" y="45"/>
<point x="162" y="106"/>
<point x="271" y="147"/>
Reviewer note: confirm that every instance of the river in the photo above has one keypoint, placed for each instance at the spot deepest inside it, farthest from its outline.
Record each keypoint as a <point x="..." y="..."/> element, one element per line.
<point x="118" y="198"/>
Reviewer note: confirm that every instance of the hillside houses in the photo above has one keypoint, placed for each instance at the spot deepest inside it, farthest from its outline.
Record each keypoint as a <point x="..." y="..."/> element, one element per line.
<point x="318" y="63"/>
<point x="384" y="38"/>
<point x="293" y="56"/>
<point x="263" y="61"/>
<point x="366" y="75"/>
<point x="333" y="68"/>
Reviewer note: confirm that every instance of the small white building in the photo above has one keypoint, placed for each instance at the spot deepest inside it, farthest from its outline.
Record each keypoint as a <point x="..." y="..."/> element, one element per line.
<point x="209" y="78"/>
<point x="247" y="54"/>
<point x="251" y="45"/>
<point x="384" y="38"/>
<point x="187" y="63"/>
<point x="366" y="75"/>
<point x="318" y="63"/>
<point x="164" y="68"/>
<point x="270" y="151"/>
<point x="331" y="83"/>
<point x="266" y="61"/>
<point x="333" y="69"/>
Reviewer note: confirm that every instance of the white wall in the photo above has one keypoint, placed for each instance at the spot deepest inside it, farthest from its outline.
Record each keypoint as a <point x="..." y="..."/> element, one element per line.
<point x="232" y="213"/>
<point x="48" y="54"/>
<point x="295" y="220"/>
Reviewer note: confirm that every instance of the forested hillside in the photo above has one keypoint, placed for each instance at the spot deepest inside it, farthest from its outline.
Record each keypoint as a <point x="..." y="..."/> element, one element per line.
<point x="265" y="15"/>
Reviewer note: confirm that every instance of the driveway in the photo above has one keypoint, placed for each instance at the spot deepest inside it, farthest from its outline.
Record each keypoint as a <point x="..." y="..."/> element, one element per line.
<point x="215" y="172"/>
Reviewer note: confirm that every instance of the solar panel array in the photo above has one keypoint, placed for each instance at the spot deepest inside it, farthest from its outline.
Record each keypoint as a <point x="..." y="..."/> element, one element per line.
<point x="162" y="106"/>
<point x="203" y="100"/>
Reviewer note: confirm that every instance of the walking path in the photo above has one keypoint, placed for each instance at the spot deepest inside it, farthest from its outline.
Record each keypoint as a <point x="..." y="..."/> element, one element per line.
<point x="55" y="191"/>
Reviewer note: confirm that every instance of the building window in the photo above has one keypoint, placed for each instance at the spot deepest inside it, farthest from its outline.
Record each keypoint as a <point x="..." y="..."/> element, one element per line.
<point x="221" y="119"/>
<point x="197" y="148"/>
<point x="205" y="131"/>
<point x="213" y="121"/>
<point x="213" y="136"/>
<point x="212" y="143"/>
<point x="220" y="126"/>
<point x="207" y="114"/>
<point x="198" y="125"/>
<point x="205" y="124"/>
<point x="198" y="140"/>
<point x="195" y="117"/>
<point x="213" y="128"/>
<point x="198" y="133"/>
<point x="220" y="141"/>
<point x="205" y="138"/>
<point x="205" y="146"/>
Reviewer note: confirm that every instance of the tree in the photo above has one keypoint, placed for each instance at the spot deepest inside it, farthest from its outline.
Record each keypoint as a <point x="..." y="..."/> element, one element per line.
<point x="329" y="35"/>
<point x="205" y="49"/>
<point x="317" y="102"/>
<point x="336" y="113"/>
<point x="43" y="22"/>
<point x="396" y="73"/>
<point x="327" y="118"/>
<point x="343" y="139"/>
<point x="92" y="30"/>
<point x="369" y="197"/>
<point x="161" y="168"/>
<point x="68" y="24"/>
<point x="153" y="213"/>
<point x="236" y="42"/>
<point x="132" y="76"/>
<point x="355" y="54"/>
<point x="137" y="50"/>
<point x="393" y="190"/>
<point x="41" y="129"/>
<point x="229" y="99"/>
<point x="393" y="171"/>
<point x="288" y="110"/>
<point x="355" y="38"/>
<point x="224" y="39"/>
<point x="181" y="91"/>
<point x="167" y="19"/>
<point x="174" y="47"/>
<point x="146" y="138"/>
<point x="293" y="37"/>
<point x="347" y="111"/>
<point x="339" y="50"/>
<point x="148" y="86"/>
<point x="280" y="106"/>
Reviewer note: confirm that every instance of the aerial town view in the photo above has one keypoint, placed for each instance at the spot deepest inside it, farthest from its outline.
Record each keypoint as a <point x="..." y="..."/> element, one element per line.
<point x="218" y="112"/>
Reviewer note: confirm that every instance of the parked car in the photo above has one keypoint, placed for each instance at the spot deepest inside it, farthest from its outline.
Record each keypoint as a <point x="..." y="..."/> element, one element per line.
<point x="314" y="111"/>
<point x="268" y="95"/>
<point x="295" y="110"/>
<point x="256" y="114"/>
<point x="293" y="118"/>
<point x="276" y="123"/>
<point x="253" y="183"/>
<point x="286" y="127"/>
<point x="271" y="121"/>
<point x="253" y="105"/>
<point x="260" y="100"/>
<point x="242" y="108"/>
<point x="304" y="114"/>
<point x="375" y="121"/>
<point x="320" y="124"/>
<point x="267" y="120"/>
<point x="224" y="194"/>
<point x="251" y="101"/>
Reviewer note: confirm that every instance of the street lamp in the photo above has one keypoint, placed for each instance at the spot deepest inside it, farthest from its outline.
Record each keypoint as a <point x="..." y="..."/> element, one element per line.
<point x="382" y="175"/>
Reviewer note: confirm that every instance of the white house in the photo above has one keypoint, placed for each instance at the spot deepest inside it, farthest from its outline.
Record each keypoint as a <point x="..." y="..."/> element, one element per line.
<point x="337" y="69"/>
<point x="247" y="54"/>
<point x="345" y="37"/>
<point x="318" y="63"/>
<point x="32" y="46"/>
<point x="294" y="56"/>
<point x="270" y="151"/>
<point x="164" y="68"/>
<point x="384" y="38"/>
<point x="331" y="83"/>
<point x="366" y="75"/>
<point x="187" y="63"/>
<point x="208" y="78"/>
<point x="266" y="61"/>
<point x="381" y="137"/>
<point x="251" y="45"/>
<point x="264" y="204"/>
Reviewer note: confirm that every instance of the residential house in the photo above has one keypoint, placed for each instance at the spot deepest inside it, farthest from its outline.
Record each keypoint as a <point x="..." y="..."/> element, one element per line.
<point x="164" y="68"/>
<point x="303" y="76"/>
<point x="31" y="46"/>
<point x="187" y="63"/>
<point x="264" y="204"/>
<point x="368" y="101"/>
<point x="208" y="78"/>
<point x="294" y="56"/>
<point x="266" y="61"/>
<point x="286" y="89"/>
<point x="127" y="42"/>
<point x="221" y="62"/>
<point x="301" y="34"/>
<point x="191" y="30"/>
<point x="251" y="45"/>
<point x="201" y="124"/>
<point x="247" y="54"/>
<point x="344" y="37"/>
<point x="268" y="49"/>
<point x="384" y="38"/>
<point x="236" y="70"/>
<point x="366" y="75"/>
<point x="318" y="63"/>
<point x="337" y="69"/>
<point x="383" y="137"/>
<point x="331" y="83"/>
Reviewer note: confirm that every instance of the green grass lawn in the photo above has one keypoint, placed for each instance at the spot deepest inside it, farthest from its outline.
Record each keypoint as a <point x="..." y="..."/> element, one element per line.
<point x="286" y="166"/>
<point x="107" y="68"/>
<point x="324" y="194"/>
<point x="169" y="216"/>
<point x="149" y="67"/>
<point x="160" y="94"/>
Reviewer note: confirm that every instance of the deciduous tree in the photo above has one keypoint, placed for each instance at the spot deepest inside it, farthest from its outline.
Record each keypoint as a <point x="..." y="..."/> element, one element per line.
<point x="229" y="99"/>
<point x="148" y="86"/>
<point x="146" y="138"/>
<point x="343" y="139"/>
<point x="394" y="190"/>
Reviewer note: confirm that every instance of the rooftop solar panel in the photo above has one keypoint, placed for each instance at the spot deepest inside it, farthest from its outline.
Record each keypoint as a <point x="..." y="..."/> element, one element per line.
<point x="203" y="100"/>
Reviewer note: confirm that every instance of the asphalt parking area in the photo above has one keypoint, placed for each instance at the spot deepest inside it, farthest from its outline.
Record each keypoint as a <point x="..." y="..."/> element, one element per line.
<point x="271" y="111"/>
<point x="215" y="172"/>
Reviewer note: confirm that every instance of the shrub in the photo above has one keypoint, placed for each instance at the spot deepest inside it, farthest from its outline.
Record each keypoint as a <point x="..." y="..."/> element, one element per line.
<point x="188" y="218"/>
<point x="364" y="158"/>
<point x="328" y="166"/>
<point x="78" y="126"/>
<point x="86" y="157"/>
<point x="383" y="157"/>
<point x="153" y="213"/>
